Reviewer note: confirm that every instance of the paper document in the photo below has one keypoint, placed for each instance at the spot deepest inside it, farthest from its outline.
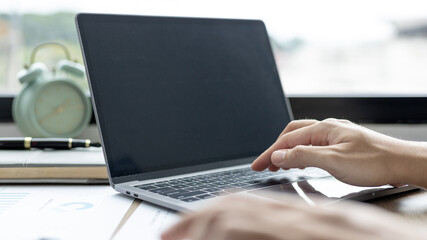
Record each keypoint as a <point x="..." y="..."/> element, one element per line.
<point x="60" y="212"/>
<point x="147" y="222"/>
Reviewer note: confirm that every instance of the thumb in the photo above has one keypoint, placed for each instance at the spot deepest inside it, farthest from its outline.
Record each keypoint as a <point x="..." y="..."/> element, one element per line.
<point x="302" y="156"/>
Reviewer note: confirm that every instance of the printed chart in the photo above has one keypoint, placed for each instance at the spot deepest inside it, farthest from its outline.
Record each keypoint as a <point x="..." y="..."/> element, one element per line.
<point x="9" y="200"/>
<point x="61" y="212"/>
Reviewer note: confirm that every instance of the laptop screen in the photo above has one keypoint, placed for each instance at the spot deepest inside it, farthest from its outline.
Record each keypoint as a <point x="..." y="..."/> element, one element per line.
<point x="174" y="92"/>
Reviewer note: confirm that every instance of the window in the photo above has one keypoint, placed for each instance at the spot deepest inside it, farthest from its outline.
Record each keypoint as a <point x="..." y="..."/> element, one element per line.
<point x="332" y="47"/>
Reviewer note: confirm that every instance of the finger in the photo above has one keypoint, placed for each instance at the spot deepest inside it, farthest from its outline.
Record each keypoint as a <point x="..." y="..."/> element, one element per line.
<point x="273" y="168"/>
<point x="180" y="230"/>
<point x="301" y="136"/>
<point x="189" y="224"/>
<point x="208" y="224"/>
<point x="203" y="227"/>
<point x="302" y="156"/>
<point x="297" y="125"/>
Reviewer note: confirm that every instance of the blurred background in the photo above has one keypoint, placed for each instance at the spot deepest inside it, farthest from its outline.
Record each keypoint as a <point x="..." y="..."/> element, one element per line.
<point x="327" y="47"/>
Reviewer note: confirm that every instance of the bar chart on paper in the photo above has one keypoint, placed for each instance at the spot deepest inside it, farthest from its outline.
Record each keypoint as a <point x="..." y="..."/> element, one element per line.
<point x="60" y="212"/>
<point x="9" y="200"/>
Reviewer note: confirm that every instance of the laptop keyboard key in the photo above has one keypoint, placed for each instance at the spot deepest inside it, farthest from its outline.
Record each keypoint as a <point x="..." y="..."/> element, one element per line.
<point x="211" y="189"/>
<point x="190" y="199"/>
<point x="162" y="190"/>
<point x="240" y="184"/>
<point x="205" y="196"/>
<point x="179" y="186"/>
<point x="175" y="192"/>
<point x="209" y="181"/>
<point x="192" y="188"/>
<point x="222" y="183"/>
<point x="146" y="186"/>
<point x="192" y="184"/>
<point x="185" y="195"/>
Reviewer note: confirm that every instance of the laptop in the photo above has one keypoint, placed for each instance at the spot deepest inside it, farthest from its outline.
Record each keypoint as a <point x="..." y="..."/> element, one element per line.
<point x="184" y="105"/>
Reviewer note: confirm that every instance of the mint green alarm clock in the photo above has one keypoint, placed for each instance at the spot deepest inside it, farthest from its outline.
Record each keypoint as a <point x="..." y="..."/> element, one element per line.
<point x="50" y="103"/>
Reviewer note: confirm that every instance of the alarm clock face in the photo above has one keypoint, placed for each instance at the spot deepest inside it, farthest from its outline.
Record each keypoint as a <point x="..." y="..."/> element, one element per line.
<point x="60" y="109"/>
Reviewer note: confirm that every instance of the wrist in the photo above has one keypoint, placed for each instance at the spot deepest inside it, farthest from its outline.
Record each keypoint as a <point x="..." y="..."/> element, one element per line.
<point x="409" y="163"/>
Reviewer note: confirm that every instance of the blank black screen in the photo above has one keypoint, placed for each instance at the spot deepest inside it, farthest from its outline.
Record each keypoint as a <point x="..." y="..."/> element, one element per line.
<point x="178" y="92"/>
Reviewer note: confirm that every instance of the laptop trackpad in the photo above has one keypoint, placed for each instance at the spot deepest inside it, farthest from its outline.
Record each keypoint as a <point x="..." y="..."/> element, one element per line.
<point x="327" y="188"/>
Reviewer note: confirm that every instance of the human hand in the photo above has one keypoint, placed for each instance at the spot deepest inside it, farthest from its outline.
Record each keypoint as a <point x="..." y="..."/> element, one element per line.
<point x="351" y="153"/>
<point x="239" y="218"/>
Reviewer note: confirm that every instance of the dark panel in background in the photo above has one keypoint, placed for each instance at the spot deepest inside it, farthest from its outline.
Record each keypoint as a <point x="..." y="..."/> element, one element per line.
<point x="356" y="109"/>
<point x="6" y="109"/>
<point x="362" y="109"/>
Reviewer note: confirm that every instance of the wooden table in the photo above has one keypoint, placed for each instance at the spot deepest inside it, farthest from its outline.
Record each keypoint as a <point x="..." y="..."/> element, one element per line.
<point x="411" y="205"/>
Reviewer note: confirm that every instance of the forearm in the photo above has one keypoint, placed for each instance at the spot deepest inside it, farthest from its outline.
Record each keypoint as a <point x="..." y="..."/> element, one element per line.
<point x="411" y="163"/>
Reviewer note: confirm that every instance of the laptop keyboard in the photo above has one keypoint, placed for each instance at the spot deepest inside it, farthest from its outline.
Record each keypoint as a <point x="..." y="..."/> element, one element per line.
<point x="194" y="188"/>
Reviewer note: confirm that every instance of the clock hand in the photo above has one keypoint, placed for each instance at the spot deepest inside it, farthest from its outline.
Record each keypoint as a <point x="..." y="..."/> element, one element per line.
<point x="62" y="106"/>
<point x="58" y="109"/>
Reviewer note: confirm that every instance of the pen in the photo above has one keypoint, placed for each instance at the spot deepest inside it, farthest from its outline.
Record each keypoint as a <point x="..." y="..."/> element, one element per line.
<point x="54" y="143"/>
